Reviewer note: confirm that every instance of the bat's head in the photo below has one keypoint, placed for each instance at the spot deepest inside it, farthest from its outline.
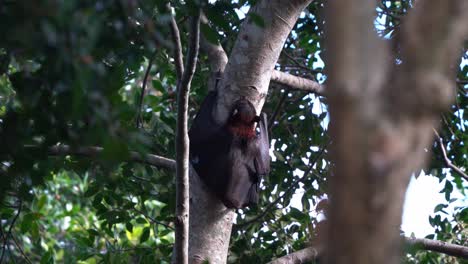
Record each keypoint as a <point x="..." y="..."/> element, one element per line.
<point x="243" y="118"/>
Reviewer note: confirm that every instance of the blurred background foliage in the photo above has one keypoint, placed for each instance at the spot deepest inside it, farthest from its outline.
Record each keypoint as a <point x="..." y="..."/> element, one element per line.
<point x="71" y="73"/>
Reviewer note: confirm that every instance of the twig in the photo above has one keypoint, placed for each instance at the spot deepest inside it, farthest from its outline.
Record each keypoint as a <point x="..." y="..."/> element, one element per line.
<point x="8" y="234"/>
<point x="448" y="162"/>
<point x="277" y="109"/>
<point x="153" y="220"/>
<point x="20" y="249"/>
<point x="178" y="56"/>
<point x="150" y="159"/>
<point x="143" y="88"/>
<point x="298" y="64"/>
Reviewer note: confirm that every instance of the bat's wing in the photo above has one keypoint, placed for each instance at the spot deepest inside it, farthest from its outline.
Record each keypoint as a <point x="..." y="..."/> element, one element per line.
<point x="262" y="159"/>
<point x="203" y="126"/>
<point x="209" y="148"/>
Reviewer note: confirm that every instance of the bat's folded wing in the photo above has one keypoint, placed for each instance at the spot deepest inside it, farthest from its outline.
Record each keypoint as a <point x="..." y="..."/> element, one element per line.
<point x="203" y="125"/>
<point x="262" y="159"/>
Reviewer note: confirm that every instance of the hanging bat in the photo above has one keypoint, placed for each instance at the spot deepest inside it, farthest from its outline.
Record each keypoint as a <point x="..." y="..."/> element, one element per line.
<point x="231" y="158"/>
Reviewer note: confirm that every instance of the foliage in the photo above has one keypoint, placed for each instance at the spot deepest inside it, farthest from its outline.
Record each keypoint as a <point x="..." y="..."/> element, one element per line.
<point x="71" y="73"/>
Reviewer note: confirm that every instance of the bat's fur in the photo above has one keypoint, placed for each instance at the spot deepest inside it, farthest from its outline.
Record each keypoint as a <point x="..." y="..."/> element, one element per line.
<point x="230" y="158"/>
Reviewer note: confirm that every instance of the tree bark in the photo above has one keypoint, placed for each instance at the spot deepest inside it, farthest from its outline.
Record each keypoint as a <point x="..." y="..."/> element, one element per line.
<point x="382" y="115"/>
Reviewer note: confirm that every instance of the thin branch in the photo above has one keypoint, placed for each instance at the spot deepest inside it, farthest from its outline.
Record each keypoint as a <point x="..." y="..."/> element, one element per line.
<point x="439" y="246"/>
<point x="277" y="109"/>
<point x="20" y="249"/>
<point x="311" y="254"/>
<point x="153" y="220"/>
<point x="182" y="145"/>
<point x="8" y="234"/>
<point x="178" y="57"/>
<point x="298" y="64"/>
<point x="150" y="159"/>
<point x="448" y="162"/>
<point x="308" y="254"/>
<point x="216" y="55"/>
<point x="297" y="83"/>
<point x="143" y="88"/>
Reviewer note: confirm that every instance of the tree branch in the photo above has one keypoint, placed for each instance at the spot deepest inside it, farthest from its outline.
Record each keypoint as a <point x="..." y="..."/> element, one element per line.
<point x="175" y="35"/>
<point x="277" y="109"/>
<point x="182" y="145"/>
<point x="216" y="55"/>
<point x="297" y="83"/>
<point x="448" y="162"/>
<point x="153" y="220"/>
<point x="20" y="249"/>
<point x="311" y="254"/>
<point x="143" y="88"/>
<point x="439" y="246"/>
<point x="298" y="64"/>
<point x="10" y="229"/>
<point x="150" y="159"/>
<point x="308" y="254"/>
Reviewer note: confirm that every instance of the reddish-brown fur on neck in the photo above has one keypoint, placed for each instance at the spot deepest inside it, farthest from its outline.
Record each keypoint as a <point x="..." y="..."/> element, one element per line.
<point x="243" y="131"/>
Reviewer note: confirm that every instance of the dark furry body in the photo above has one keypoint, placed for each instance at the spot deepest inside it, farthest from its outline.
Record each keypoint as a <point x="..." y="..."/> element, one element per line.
<point x="230" y="162"/>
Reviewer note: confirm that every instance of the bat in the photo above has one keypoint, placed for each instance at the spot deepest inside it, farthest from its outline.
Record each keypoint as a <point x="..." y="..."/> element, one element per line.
<point x="231" y="158"/>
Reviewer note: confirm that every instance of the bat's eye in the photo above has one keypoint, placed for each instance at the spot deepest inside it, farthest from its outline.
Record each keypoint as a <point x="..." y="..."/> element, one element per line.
<point x="257" y="130"/>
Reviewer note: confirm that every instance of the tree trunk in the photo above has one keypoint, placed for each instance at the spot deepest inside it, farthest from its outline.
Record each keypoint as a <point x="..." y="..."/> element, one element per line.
<point x="382" y="119"/>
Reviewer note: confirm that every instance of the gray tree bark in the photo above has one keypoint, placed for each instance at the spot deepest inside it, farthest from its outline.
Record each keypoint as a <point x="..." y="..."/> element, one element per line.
<point x="382" y="116"/>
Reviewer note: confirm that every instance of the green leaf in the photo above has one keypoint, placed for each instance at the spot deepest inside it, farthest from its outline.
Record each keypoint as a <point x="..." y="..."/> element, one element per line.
<point x="92" y="190"/>
<point x="440" y="207"/>
<point x="28" y="220"/>
<point x="41" y="202"/>
<point x="26" y="223"/>
<point x="47" y="258"/>
<point x="141" y="220"/>
<point x="158" y="86"/>
<point x="93" y="232"/>
<point x="279" y="156"/>
<point x="129" y="227"/>
<point x="145" y="234"/>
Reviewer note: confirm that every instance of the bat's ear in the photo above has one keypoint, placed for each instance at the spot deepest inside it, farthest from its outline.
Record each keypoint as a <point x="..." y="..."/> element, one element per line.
<point x="256" y="119"/>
